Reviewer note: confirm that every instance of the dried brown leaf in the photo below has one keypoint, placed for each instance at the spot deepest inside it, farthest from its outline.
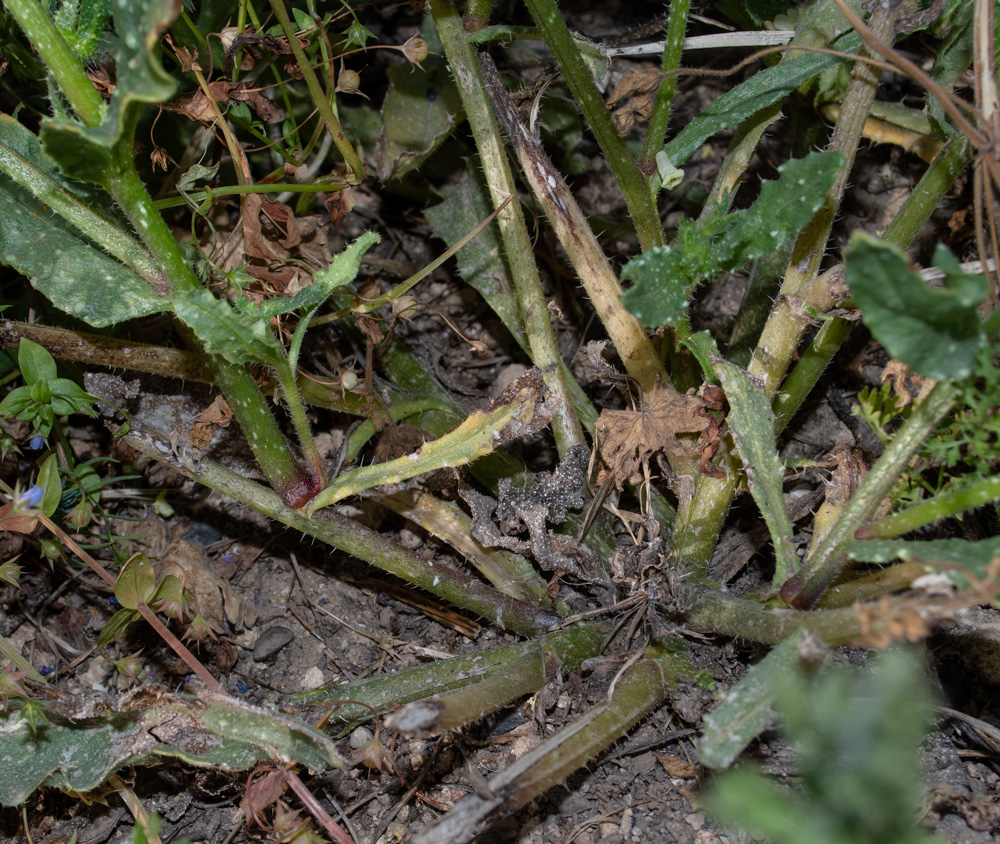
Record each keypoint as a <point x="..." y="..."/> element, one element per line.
<point x="628" y="438"/>
<point x="632" y="99"/>
<point x="198" y="107"/>
<point x="217" y="415"/>
<point x="339" y="204"/>
<point x="214" y="597"/>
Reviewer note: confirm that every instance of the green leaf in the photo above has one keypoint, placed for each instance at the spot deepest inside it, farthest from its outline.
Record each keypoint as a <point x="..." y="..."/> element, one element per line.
<point x="35" y="362"/>
<point x="68" y="270"/>
<point x="480" y="262"/>
<point x="665" y="276"/>
<point x="16" y="402"/>
<point x="421" y="109"/>
<point x="954" y="557"/>
<point x="783" y="209"/>
<point x="197" y="173"/>
<point x="703" y="346"/>
<point x="116" y="626"/>
<point x="518" y="411"/>
<point x="936" y="332"/>
<point x="48" y="479"/>
<point x="236" y="336"/>
<point x="751" y="422"/>
<point x="90" y="153"/>
<point x="82" y="23"/>
<point x="136" y="584"/>
<point x="69" y="397"/>
<point x="87" y="740"/>
<point x="758" y="92"/>
<point x="745" y="710"/>
<point x="342" y="270"/>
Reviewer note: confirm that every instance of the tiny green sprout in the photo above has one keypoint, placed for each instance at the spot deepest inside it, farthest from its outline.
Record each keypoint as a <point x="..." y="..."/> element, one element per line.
<point x="33" y="713"/>
<point x="130" y="666"/>
<point x="44" y="396"/>
<point x="199" y="629"/>
<point x="10" y="572"/>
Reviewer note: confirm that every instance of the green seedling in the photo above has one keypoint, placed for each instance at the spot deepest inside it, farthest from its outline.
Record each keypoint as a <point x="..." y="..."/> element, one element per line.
<point x="44" y="395"/>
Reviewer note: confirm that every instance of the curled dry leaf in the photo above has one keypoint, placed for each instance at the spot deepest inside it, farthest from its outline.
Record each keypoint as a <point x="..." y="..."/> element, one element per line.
<point x="214" y="597"/>
<point x="257" y="210"/>
<point x="632" y="99"/>
<point x="196" y="105"/>
<point x="217" y="414"/>
<point x="628" y="438"/>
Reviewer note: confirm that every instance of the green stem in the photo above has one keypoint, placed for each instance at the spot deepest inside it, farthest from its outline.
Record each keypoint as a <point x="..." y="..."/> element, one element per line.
<point x="477" y="14"/>
<point x="269" y="446"/>
<point x="884" y="582"/>
<point x="367" y="545"/>
<point x="200" y="196"/>
<point x="574" y="70"/>
<point x="510" y="218"/>
<point x="548" y="659"/>
<point x="635" y="693"/>
<point x="805" y="587"/>
<point x="319" y="97"/>
<point x="70" y="76"/>
<point x="781" y="334"/>
<point x="919" y="205"/>
<point x="944" y="505"/>
<point x="659" y="119"/>
<point x="946" y="167"/>
<point x="401" y="687"/>
<point x="300" y="423"/>
<point x="748" y="620"/>
<point x="808" y="370"/>
<point x="574" y="233"/>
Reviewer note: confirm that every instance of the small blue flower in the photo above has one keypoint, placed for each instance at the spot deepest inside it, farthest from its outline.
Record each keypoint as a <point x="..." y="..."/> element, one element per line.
<point x="37" y="443"/>
<point x="45" y="671"/>
<point x="31" y="497"/>
<point x="113" y="601"/>
<point x="242" y="688"/>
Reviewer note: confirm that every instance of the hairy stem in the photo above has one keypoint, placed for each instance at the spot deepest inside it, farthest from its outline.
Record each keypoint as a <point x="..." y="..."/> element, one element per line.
<point x="510" y="219"/>
<point x="69" y="74"/>
<point x="659" y="119"/>
<point x="574" y="70"/>
<point x="828" y="560"/>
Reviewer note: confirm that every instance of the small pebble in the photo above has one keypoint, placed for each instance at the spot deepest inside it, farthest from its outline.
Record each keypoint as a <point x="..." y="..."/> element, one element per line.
<point x="271" y="641"/>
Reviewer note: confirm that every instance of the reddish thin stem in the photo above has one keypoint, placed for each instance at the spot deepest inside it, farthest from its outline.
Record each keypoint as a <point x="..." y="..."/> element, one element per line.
<point x="176" y="644"/>
<point x="316" y="810"/>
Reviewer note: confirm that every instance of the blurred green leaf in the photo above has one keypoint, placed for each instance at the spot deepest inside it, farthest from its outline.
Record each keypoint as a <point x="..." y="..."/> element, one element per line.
<point x="90" y="737"/>
<point x="936" y="332"/>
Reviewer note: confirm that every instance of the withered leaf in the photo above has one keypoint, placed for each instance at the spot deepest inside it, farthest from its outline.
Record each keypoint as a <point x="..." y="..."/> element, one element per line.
<point x="217" y="414"/>
<point x="197" y="106"/>
<point x="256" y="209"/>
<point x="628" y="438"/>
<point x="214" y="597"/>
<point x="633" y="97"/>
<point x="339" y="204"/>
